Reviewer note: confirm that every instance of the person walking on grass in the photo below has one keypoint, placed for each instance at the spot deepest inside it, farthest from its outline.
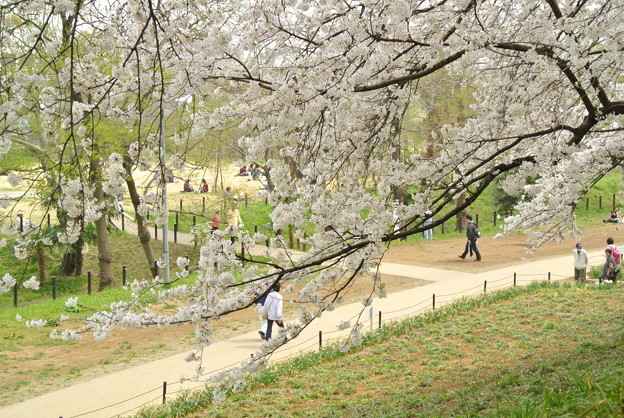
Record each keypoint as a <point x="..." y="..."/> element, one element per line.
<point x="580" y="263"/>
<point x="234" y="218"/>
<point x="273" y="306"/>
<point x="215" y="221"/>
<point x="472" y="236"/>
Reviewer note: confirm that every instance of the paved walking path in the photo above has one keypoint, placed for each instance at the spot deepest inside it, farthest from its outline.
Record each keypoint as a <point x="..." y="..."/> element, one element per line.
<point x="125" y="391"/>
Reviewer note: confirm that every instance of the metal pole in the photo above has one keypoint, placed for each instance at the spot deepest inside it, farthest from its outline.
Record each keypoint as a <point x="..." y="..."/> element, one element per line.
<point x="165" y="228"/>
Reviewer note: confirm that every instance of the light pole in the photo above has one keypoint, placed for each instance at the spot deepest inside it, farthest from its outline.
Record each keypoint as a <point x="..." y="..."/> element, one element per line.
<point x="165" y="227"/>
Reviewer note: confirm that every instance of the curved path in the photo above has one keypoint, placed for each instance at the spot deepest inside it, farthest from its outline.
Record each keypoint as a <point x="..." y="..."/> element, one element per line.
<point x="123" y="392"/>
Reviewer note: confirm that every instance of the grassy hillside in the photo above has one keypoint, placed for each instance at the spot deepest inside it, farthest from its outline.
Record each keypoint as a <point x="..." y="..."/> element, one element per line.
<point x="545" y="350"/>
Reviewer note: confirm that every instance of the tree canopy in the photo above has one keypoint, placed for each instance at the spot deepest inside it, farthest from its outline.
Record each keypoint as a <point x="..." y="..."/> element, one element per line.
<point x="319" y="90"/>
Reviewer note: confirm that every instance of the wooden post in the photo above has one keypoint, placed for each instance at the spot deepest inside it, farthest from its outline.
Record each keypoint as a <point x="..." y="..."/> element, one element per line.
<point x="548" y="277"/>
<point x="49" y="214"/>
<point x="494" y="218"/>
<point x="54" y="287"/>
<point x="203" y="204"/>
<point x="15" y="295"/>
<point x="477" y="220"/>
<point x="379" y="319"/>
<point x="485" y="286"/>
<point x="123" y="274"/>
<point x="515" y="279"/>
<point x="175" y="233"/>
<point x="320" y="340"/>
<point x="180" y="205"/>
<point x="599" y="202"/>
<point x="123" y="222"/>
<point x="89" y="282"/>
<point x="434" y="301"/>
<point x="587" y="203"/>
<point x="164" y="397"/>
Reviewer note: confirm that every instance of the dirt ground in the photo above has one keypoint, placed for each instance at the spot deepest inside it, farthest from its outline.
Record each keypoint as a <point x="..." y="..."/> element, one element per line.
<point x="39" y="369"/>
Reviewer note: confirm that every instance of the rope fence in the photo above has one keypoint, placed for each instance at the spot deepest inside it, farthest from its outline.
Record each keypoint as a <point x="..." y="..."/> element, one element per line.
<point x="425" y="305"/>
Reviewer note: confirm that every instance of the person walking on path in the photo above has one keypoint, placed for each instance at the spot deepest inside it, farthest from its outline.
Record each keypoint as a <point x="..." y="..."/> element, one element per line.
<point x="608" y="269"/>
<point x="215" y="220"/>
<point x="428" y="233"/>
<point x="580" y="263"/>
<point x="260" y="308"/>
<point x="472" y="235"/>
<point x="273" y="307"/>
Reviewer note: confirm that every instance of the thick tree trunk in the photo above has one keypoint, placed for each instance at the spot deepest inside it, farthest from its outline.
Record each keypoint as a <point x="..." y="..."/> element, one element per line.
<point x="41" y="263"/>
<point x="105" y="259"/>
<point x="142" y="229"/>
<point x="460" y="218"/>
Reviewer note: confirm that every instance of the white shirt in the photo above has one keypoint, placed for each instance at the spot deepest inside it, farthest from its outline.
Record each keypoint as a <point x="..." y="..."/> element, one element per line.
<point x="580" y="258"/>
<point x="273" y="304"/>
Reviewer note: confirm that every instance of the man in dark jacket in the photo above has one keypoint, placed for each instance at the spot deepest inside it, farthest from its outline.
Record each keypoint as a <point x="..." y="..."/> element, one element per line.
<point x="472" y="234"/>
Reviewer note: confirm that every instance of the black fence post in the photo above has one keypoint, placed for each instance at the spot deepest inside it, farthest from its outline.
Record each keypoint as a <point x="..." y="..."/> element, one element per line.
<point x="177" y="220"/>
<point x="89" y="282"/>
<point x="515" y="279"/>
<point x="49" y="214"/>
<point x="320" y="340"/>
<point x="155" y="231"/>
<point x="246" y="199"/>
<point x="305" y="237"/>
<point x="164" y="398"/>
<point x="494" y="218"/>
<point x="484" y="286"/>
<point x="243" y="253"/>
<point x="180" y="205"/>
<point x="434" y="301"/>
<point x="15" y="295"/>
<point x="123" y="274"/>
<point x="379" y="319"/>
<point x="443" y="228"/>
<point x="255" y="229"/>
<point x="587" y="203"/>
<point x="194" y="220"/>
<point x="477" y="220"/>
<point x="203" y="204"/>
<point x="548" y="277"/>
<point x="613" y="205"/>
<point x="599" y="202"/>
<point x="123" y="222"/>
<point x="175" y="233"/>
<point x="53" y="287"/>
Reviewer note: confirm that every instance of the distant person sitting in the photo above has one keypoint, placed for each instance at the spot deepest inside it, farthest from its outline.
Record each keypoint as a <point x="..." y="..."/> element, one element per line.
<point x="187" y="186"/>
<point x="203" y="188"/>
<point x="243" y="171"/>
<point x="614" y="217"/>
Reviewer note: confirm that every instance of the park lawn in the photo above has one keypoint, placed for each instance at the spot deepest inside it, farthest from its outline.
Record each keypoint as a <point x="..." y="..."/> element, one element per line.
<point x="545" y="350"/>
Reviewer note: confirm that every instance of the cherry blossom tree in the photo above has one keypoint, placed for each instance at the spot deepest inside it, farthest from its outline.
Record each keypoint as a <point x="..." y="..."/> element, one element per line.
<point x="320" y="89"/>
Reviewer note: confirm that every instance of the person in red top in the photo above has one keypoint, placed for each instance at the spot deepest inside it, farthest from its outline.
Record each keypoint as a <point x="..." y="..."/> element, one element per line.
<point x="203" y="188"/>
<point x="215" y="220"/>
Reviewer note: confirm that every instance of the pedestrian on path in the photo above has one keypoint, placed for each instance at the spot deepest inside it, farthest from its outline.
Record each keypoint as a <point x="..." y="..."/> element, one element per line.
<point x="472" y="236"/>
<point x="616" y="254"/>
<point x="273" y="306"/>
<point x="428" y="233"/>
<point x="580" y="263"/>
<point x="260" y="308"/>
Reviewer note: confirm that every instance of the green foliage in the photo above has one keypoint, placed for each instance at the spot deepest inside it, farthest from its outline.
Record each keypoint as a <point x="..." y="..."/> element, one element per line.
<point x="526" y="352"/>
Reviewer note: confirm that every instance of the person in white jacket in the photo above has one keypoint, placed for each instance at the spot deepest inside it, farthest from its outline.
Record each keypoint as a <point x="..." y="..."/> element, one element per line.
<point x="580" y="263"/>
<point x="273" y="304"/>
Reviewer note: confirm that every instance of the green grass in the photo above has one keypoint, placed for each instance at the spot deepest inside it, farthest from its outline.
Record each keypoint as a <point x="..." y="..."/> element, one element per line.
<point x="544" y="350"/>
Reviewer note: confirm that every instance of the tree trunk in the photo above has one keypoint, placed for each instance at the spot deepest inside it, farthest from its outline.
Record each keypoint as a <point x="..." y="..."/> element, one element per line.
<point x="105" y="258"/>
<point x="41" y="263"/>
<point x="142" y="229"/>
<point x="460" y="218"/>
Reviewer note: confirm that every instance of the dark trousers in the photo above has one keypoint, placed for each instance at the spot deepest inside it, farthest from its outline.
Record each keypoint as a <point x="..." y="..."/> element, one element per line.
<point x="471" y="246"/>
<point x="267" y="335"/>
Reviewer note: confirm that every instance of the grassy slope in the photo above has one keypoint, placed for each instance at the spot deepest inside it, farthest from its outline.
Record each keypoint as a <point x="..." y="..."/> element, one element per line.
<point x="516" y="352"/>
